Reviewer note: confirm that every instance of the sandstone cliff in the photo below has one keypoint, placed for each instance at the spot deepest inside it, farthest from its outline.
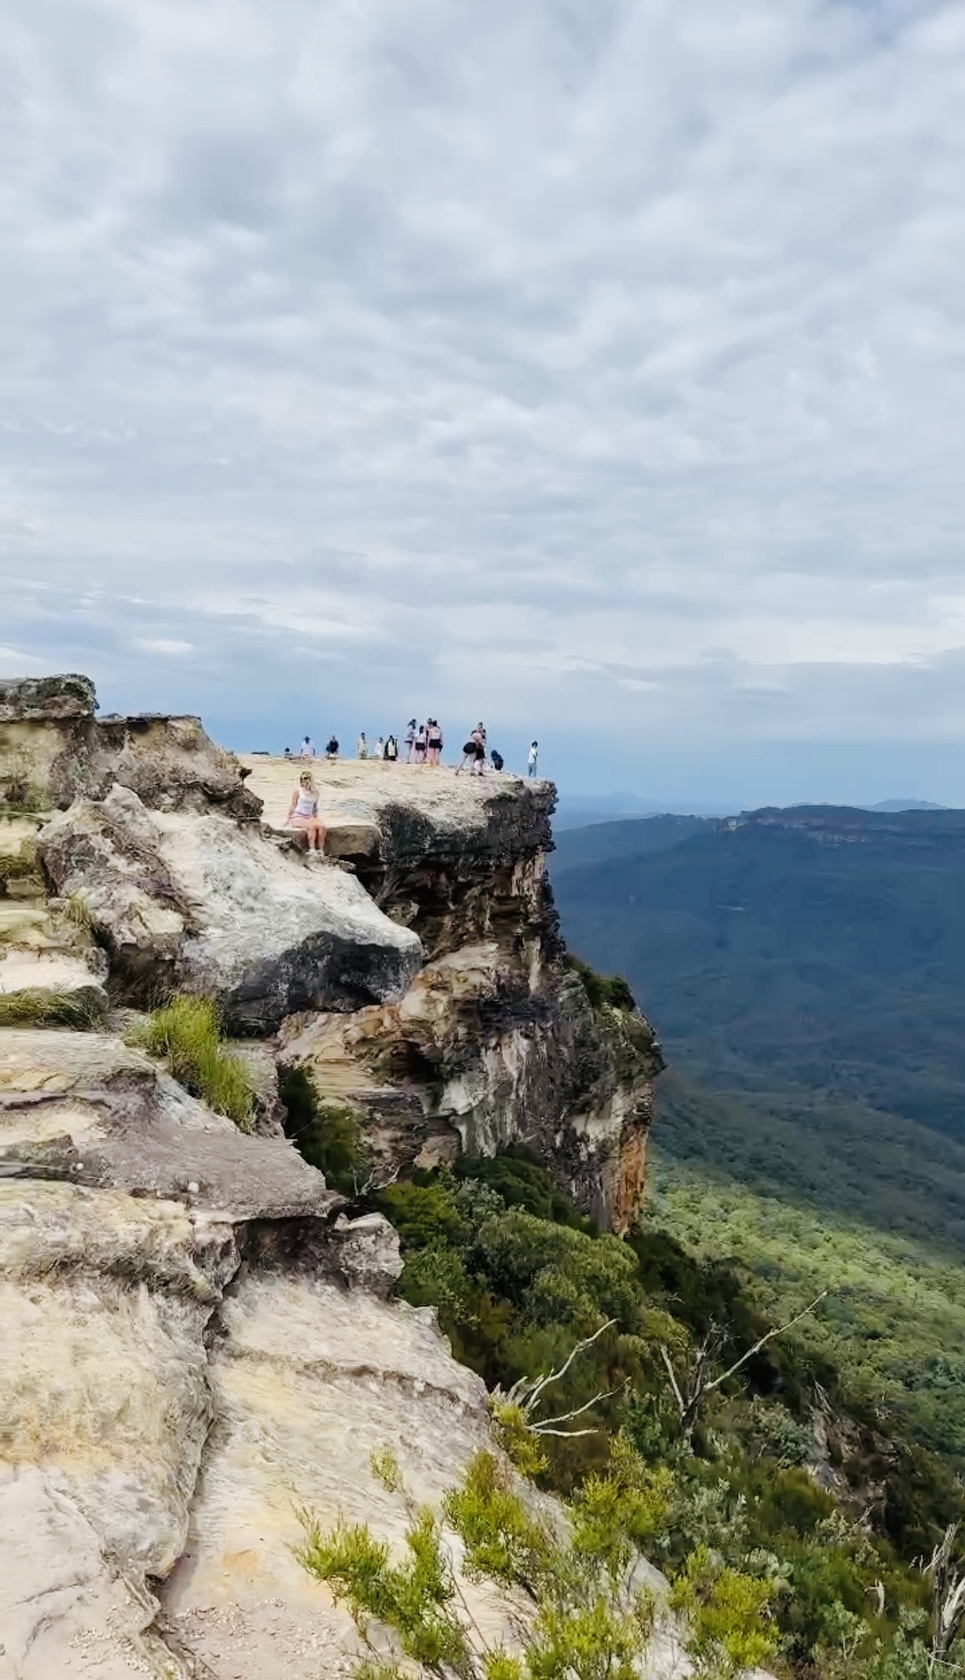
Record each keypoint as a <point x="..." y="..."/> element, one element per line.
<point x="196" y="1336"/>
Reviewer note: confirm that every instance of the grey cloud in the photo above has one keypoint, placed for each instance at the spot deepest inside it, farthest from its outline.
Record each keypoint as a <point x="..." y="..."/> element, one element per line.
<point x="524" y="351"/>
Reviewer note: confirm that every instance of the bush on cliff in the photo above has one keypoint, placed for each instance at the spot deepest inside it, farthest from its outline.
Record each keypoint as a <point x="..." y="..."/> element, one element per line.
<point x="327" y="1134"/>
<point x="587" y="1616"/>
<point x="602" y="989"/>
<point x="187" y="1033"/>
<point x="516" y="1291"/>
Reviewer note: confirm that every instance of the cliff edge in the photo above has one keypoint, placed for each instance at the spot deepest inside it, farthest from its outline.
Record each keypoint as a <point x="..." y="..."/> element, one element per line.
<point x="197" y="1336"/>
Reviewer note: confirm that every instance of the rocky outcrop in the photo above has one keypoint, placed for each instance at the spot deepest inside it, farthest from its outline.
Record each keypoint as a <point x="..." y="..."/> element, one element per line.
<point x="471" y="1059"/>
<point x="496" y="1040"/>
<point x="54" y="750"/>
<point x="177" y="1384"/>
<point x="86" y="1107"/>
<point x="198" y="1337"/>
<point x="204" y="904"/>
<point x="423" y="981"/>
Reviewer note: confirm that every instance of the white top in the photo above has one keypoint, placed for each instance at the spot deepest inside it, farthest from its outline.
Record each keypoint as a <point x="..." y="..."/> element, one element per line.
<point x="306" y="750"/>
<point x="533" y="755"/>
<point x="307" y="803"/>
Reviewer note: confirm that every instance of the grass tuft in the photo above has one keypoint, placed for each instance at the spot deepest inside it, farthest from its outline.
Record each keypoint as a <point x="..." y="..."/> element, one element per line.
<point x="78" y="911"/>
<point x="84" y="1009"/>
<point x="187" y="1033"/>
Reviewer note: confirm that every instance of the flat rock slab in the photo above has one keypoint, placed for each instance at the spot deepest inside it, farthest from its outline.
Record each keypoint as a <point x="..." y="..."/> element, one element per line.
<point x="88" y="1107"/>
<point x="414" y="808"/>
<point x="308" y="1381"/>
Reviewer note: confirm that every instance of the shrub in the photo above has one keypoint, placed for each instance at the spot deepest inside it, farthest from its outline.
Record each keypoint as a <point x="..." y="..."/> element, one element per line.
<point x="327" y="1133"/>
<point x="728" y="1613"/>
<point x="517" y="1177"/>
<point x="603" y="989"/>
<point x="414" y="1597"/>
<point x="589" y="1624"/>
<point x="187" y="1033"/>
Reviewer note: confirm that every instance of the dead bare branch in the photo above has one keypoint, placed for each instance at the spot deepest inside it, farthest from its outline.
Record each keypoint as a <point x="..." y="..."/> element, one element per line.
<point x="690" y="1390"/>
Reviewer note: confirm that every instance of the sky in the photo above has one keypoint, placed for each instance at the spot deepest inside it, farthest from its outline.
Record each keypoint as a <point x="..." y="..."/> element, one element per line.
<point x="595" y="367"/>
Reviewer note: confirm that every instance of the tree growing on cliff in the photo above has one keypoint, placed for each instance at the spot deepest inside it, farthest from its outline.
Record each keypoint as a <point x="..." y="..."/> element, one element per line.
<point x="692" y="1384"/>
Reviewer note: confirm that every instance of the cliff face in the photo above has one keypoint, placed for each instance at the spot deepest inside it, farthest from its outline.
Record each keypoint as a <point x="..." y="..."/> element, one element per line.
<point x="495" y="1040"/>
<point x="418" y="970"/>
<point x="196" y="1335"/>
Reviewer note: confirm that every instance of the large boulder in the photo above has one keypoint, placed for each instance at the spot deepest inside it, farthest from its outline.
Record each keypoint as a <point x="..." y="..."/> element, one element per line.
<point x="205" y="904"/>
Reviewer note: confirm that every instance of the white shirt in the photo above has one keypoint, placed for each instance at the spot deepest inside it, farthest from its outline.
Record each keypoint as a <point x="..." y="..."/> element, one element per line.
<point x="306" y="750"/>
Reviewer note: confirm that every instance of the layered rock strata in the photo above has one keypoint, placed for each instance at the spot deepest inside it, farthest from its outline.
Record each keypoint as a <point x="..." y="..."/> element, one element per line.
<point x="495" y="1041"/>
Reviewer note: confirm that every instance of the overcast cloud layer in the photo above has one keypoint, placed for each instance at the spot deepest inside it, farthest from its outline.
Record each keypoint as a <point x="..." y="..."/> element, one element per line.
<point x="596" y="367"/>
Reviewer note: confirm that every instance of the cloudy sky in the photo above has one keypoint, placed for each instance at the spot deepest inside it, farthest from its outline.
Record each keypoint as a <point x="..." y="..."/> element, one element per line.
<point x="593" y="366"/>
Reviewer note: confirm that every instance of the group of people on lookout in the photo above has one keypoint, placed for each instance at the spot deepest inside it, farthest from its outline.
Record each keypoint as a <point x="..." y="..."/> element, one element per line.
<point x="423" y="745"/>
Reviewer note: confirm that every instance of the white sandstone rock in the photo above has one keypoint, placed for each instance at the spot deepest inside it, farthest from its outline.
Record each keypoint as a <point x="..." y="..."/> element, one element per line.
<point x="215" y="907"/>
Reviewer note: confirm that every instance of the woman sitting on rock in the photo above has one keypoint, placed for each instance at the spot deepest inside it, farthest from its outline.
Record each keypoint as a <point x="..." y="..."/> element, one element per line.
<point x="303" y="811"/>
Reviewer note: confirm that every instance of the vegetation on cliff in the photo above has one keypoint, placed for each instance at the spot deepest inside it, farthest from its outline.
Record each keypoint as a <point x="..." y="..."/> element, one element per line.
<point x="187" y="1032"/>
<point x="806" y="970"/>
<point x="520" y="1278"/>
<point x="588" y="1615"/>
<point x="84" y="1008"/>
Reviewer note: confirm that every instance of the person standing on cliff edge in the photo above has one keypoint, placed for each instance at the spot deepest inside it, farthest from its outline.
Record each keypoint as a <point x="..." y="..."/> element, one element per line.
<point x="532" y="762"/>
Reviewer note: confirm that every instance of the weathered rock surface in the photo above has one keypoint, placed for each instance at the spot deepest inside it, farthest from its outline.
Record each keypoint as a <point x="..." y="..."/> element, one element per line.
<point x="64" y="1609"/>
<point x="197" y="1340"/>
<point x="46" y="699"/>
<point x="86" y="1107"/>
<point x="53" y="750"/>
<point x="44" y="949"/>
<point x="470" y="1060"/>
<point x="495" y="1041"/>
<point x="307" y="1381"/>
<point x="174" y="1388"/>
<point x="206" y="904"/>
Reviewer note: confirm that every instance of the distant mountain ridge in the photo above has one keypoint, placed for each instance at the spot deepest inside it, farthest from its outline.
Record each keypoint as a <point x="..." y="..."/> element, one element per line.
<point x="918" y="827"/>
<point x="906" y="805"/>
<point x="809" y="947"/>
<point x="805" y="970"/>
